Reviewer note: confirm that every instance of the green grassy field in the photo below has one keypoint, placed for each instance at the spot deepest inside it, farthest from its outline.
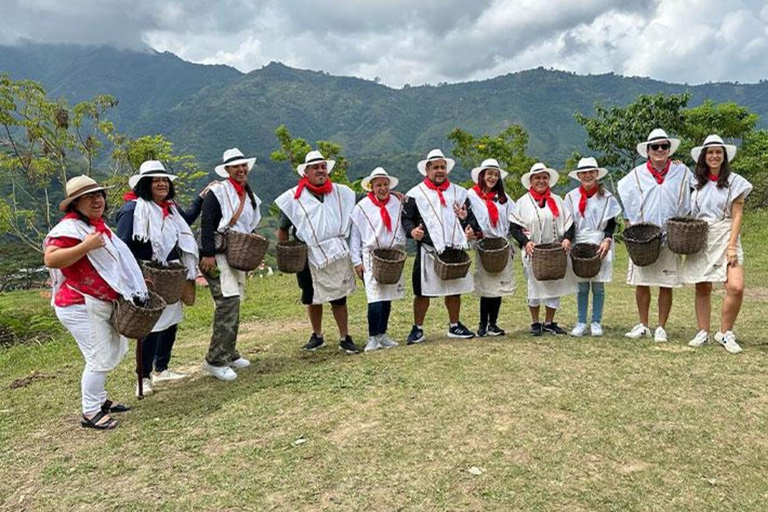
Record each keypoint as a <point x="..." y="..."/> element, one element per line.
<point x="516" y="423"/>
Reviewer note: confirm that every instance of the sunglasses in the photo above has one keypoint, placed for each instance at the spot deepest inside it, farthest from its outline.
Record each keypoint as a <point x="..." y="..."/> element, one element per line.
<point x="657" y="147"/>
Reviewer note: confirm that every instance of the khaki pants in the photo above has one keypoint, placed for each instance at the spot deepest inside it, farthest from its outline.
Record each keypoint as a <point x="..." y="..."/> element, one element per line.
<point x="226" y="321"/>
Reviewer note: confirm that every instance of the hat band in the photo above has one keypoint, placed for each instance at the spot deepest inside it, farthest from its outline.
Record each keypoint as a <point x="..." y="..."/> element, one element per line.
<point x="491" y="167"/>
<point x="228" y="160"/>
<point x="436" y="158"/>
<point x="714" y="143"/>
<point x="84" y="190"/>
<point x="154" y="171"/>
<point x="587" y="168"/>
<point x="319" y="159"/>
<point x="657" y="138"/>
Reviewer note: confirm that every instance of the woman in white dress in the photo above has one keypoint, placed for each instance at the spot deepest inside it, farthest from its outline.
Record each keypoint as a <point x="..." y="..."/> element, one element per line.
<point x="718" y="197"/>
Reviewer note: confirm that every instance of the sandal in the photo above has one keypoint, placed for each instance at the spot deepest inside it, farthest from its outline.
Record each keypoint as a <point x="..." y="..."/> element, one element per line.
<point x="110" y="406"/>
<point x="94" y="422"/>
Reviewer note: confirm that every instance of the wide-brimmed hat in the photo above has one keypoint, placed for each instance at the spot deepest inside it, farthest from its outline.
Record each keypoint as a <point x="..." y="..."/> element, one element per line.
<point x="588" y="164"/>
<point x="489" y="163"/>
<point x="151" y="169"/>
<point x="312" y="158"/>
<point x="539" y="168"/>
<point x="378" y="172"/>
<point x="233" y="156"/>
<point x="656" y="136"/>
<point x="433" y="155"/>
<point x="714" y="140"/>
<point x="79" y="186"/>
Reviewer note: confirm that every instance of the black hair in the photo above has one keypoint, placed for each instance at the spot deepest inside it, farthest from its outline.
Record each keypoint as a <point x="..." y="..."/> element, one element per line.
<point x="72" y="208"/>
<point x="702" y="170"/>
<point x="498" y="187"/>
<point x="143" y="189"/>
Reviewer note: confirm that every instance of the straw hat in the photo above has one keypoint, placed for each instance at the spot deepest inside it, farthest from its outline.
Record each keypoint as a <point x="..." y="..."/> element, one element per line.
<point x="79" y="186"/>
<point x="539" y="168"/>
<point x="152" y="169"/>
<point x="489" y="163"/>
<point x="656" y="136"/>
<point x="314" y="157"/>
<point x="233" y="156"/>
<point x="433" y="155"/>
<point x="588" y="164"/>
<point x="378" y="172"/>
<point x="714" y="140"/>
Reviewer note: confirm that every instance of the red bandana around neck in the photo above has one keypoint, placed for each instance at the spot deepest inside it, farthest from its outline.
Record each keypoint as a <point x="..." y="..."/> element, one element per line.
<point x="240" y="189"/>
<point x="322" y="190"/>
<point x="546" y="196"/>
<point x="493" y="210"/>
<point x="714" y="177"/>
<point x="164" y="205"/>
<point x="585" y="194"/>
<point x="439" y="188"/>
<point x="659" y="176"/>
<point x="98" y="224"/>
<point x="382" y="209"/>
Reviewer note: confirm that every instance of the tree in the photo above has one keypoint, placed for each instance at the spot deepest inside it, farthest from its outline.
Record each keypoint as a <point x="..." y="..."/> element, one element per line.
<point x="729" y="120"/>
<point x="751" y="162"/>
<point x="293" y="150"/>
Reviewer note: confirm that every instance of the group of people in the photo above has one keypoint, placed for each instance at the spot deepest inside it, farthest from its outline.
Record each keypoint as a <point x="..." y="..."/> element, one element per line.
<point x="92" y="266"/>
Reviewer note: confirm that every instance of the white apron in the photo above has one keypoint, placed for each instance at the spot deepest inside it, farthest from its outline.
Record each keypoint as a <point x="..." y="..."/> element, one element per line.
<point x="711" y="263"/>
<point x="432" y="285"/>
<point x="503" y="283"/>
<point x="172" y="314"/>
<point x="376" y="292"/>
<point x="334" y="281"/>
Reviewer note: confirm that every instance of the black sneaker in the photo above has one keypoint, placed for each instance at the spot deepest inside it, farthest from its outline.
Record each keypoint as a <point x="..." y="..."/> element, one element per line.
<point x="460" y="331"/>
<point x="536" y="329"/>
<point x="481" y="331"/>
<point x="416" y="335"/>
<point x="348" y="346"/>
<point x="314" y="343"/>
<point x="494" y="330"/>
<point x="553" y="328"/>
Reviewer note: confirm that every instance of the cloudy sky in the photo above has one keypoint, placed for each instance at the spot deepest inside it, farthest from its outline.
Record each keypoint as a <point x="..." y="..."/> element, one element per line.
<point x="422" y="41"/>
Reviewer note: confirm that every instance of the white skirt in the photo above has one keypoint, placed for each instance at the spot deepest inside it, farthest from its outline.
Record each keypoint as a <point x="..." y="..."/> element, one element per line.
<point x="710" y="265"/>
<point x="432" y="285"/>
<point x="666" y="272"/>
<point x="538" y="290"/>
<point x="495" y="285"/>
<point x="334" y="281"/>
<point x="376" y="292"/>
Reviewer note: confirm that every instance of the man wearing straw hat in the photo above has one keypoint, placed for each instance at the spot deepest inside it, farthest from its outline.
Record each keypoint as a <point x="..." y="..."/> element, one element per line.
<point x="654" y="192"/>
<point x="230" y="205"/>
<point x="318" y="212"/>
<point x="436" y="216"/>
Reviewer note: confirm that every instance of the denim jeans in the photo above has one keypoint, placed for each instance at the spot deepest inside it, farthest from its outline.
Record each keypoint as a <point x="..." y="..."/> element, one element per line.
<point x="156" y="350"/>
<point x="598" y="301"/>
<point x="378" y="317"/>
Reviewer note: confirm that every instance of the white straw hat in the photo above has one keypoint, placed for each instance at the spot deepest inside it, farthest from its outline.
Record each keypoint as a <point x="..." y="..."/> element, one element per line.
<point x="539" y="168"/>
<point x="714" y="140"/>
<point x="233" y="156"/>
<point x="314" y="157"/>
<point x="588" y="164"/>
<point x="656" y="136"/>
<point x="433" y="155"/>
<point x="489" y="163"/>
<point x="151" y="169"/>
<point x="378" y="172"/>
<point x="79" y="186"/>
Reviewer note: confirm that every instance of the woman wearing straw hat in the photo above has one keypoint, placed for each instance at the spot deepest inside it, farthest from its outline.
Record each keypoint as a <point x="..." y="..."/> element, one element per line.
<point x="594" y="212"/>
<point x="155" y="228"/>
<point x="230" y="205"/>
<point x="718" y="197"/>
<point x="376" y="225"/>
<point x="91" y="267"/>
<point x="318" y="212"/>
<point x="492" y="208"/>
<point x="654" y="192"/>
<point x="540" y="217"/>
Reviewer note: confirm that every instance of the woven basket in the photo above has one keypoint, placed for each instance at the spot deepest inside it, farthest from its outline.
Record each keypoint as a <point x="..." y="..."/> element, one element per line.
<point x="686" y="235"/>
<point x="585" y="260"/>
<point x="291" y="256"/>
<point x="388" y="265"/>
<point x="643" y="243"/>
<point x="167" y="282"/>
<point x="452" y="264"/>
<point x="494" y="254"/>
<point x="136" y="322"/>
<point x="189" y="293"/>
<point x="245" y="251"/>
<point x="549" y="262"/>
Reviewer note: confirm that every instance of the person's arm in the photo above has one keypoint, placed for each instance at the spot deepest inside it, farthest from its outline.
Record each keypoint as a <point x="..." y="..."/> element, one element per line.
<point x="62" y="257"/>
<point x="284" y="225"/>
<point x="209" y="223"/>
<point x="124" y="219"/>
<point x="570" y="233"/>
<point x="737" y="213"/>
<point x="191" y="214"/>
<point x="356" y="250"/>
<point x="605" y="245"/>
<point x="471" y="220"/>
<point x="516" y="230"/>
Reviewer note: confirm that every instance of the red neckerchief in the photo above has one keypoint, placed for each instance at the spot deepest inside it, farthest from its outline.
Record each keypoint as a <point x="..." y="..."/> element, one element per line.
<point x="164" y="205"/>
<point x="382" y="209"/>
<point x="439" y="188"/>
<point x="714" y="177"/>
<point x="240" y="189"/>
<point x="584" y="196"/>
<point x="546" y="196"/>
<point x="493" y="210"/>
<point x="98" y="224"/>
<point x="659" y="176"/>
<point x="322" y="190"/>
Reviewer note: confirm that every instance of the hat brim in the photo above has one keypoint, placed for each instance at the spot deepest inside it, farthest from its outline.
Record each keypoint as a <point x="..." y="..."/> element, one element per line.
<point x="136" y="178"/>
<point x="477" y="170"/>
<point x="642" y="147"/>
<point x="525" y="179"/>
<point x="301" y="169"/>
<point x="601" y="173"/>
<point x="222" y="171"/>
<point x="449" y="164"/>
<point x="66" y="202"/>
<point x="730" y="151"/>
<point x="365" y="183"/>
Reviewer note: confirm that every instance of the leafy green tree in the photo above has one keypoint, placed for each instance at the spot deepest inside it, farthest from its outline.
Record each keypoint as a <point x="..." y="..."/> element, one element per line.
<point x="751" y="162"/>
<point x="293" y="150"/>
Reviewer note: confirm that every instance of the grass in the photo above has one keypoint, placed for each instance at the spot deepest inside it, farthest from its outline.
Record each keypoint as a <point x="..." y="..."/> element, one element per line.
<point x="552" y="424"/>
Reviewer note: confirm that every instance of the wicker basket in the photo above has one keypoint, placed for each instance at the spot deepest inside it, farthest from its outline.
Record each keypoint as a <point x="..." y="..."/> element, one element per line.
<point x="686" y="235"/>
<point x="549" y="262"/>
<point x="167" y="282"/>
<point x="585" y="260"/>
<point x="134" y="321"/>
<point x="291" y="256"/>
<point x="189" y="293"/>
<point x="388" y="265"/>
<point x="245" y="251"/>
<point x="494" y="254"/>
<point x="643" y="243"/>
<point x="452" y="264"/>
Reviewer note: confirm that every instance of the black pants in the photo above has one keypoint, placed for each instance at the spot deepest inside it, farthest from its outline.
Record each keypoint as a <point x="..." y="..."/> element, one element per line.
<point x="156" y="350"/>
<point x="489" y="310"/>
<point x="378" y="317"/>
<point x="304" y="278"/>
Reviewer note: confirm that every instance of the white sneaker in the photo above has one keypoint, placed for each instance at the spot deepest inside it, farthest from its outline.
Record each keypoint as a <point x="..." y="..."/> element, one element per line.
<point x="387" y="342"/>
<point x="239" y="363"/>
<point x="220" y="372"/>
<point x="700" y="339"/>
<point x="167" y="375"/>
<point x="579" y="330"/>
<point x="638" y="331"/>
<point x="372" y="344"/>
<point x="146" y="387"/>
<point x="660" y="336"/>
<point x="595" y="329"/>
<point x="728" y="341"/>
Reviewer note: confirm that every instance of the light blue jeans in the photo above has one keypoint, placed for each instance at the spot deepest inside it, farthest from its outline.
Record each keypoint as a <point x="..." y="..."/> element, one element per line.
<point x="598" y="301"/>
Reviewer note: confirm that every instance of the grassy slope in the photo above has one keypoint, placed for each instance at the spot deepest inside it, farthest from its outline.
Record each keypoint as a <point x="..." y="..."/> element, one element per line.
<point x="554" y="424"/>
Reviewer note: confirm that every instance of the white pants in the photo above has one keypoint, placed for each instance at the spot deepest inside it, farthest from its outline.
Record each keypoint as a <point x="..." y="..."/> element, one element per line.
<point x="552" y="303"/>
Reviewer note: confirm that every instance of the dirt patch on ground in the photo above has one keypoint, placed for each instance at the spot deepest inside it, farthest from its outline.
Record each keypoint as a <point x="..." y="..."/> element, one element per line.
<point x="26" y="381"/>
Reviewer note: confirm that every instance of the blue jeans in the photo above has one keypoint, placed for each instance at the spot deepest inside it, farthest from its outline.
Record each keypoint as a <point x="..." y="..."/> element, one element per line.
<point x="156" y="350"/>
<point x="378" y="317"/>
<point x="598" y="301"/>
